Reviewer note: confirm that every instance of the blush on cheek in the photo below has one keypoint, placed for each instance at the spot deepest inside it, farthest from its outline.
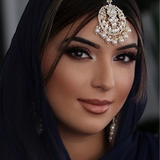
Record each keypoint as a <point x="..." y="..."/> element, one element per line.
<point x="125" y="85"/>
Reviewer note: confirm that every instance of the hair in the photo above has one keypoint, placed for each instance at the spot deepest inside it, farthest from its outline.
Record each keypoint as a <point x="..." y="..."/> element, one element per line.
<point x="62" y="13"/>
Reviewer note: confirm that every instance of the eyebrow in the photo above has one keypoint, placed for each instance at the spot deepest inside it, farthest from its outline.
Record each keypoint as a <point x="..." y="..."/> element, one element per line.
<point x="133" y="45"/>
<point x="84" y="41"/>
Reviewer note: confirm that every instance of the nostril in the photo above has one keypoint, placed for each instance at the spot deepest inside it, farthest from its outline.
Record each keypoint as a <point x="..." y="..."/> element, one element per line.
<point x="103" y="84"/>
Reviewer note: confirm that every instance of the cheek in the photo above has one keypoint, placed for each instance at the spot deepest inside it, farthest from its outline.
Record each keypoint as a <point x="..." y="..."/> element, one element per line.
<point x="63" y="89"/>
<point x="64" y="85"/>
<point x="124" y="81"/>
<point x="66" y="80"/>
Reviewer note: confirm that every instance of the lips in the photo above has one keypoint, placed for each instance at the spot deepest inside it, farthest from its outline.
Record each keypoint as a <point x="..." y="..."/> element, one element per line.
<point x="95" y="106"/>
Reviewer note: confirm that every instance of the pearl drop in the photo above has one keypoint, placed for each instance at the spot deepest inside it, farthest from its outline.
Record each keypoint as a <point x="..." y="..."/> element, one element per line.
<point x="110" y="138"/>
<point x="126" y="36"/>
<point x="114" y="123"/>
<point x="114" y="42"/>
<point x="108" y="40"/>
<point x="121" y="41"/>
<point x="111" y="133"/>
<point x="112" y="127"/>
<point x="129" y="30"/>
<point x="97" y="30"/>
<point x="112" y="130"/>
<point x="103" y="35"/>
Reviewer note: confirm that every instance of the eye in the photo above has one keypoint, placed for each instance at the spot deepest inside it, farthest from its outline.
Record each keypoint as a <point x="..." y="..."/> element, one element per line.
<point x="78" y="53"/>
<point x="126" y="57"/>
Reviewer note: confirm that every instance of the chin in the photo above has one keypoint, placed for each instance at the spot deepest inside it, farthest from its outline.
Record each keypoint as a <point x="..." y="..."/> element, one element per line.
<point x="91" y="127"/>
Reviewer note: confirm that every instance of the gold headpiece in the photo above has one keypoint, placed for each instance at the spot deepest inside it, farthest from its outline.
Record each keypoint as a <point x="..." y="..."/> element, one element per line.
<point x="112" y="25"/>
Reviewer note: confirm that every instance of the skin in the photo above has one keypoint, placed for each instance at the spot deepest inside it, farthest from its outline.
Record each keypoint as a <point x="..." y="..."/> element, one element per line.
<point x="97" y="77"/>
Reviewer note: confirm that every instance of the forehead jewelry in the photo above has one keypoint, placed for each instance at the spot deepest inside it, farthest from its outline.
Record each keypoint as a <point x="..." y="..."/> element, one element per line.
<point x="112" y="25"/>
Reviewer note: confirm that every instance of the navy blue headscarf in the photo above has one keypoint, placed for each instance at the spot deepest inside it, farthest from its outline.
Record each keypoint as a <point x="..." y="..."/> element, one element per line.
<point x="23" y="105"/>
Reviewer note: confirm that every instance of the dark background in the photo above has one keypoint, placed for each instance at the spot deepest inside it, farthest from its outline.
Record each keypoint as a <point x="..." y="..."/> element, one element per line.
<point x="150" y="7"/>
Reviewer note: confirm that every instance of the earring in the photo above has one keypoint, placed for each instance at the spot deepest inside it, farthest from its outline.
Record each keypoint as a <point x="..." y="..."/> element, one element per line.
<point x="112" y="129"/>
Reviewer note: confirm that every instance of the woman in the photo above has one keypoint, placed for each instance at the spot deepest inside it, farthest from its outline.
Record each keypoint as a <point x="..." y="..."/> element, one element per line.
<point x="70" y="89"/>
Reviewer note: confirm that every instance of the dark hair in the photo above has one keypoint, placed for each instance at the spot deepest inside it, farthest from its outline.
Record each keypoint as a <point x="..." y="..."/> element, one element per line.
<point x="62" y="13"/>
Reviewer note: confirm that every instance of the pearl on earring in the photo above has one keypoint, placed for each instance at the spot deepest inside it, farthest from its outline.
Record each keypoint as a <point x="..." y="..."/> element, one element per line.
<point x="112" y="129"/>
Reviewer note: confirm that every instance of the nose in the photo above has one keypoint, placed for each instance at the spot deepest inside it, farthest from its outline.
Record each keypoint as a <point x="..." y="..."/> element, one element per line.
<point x="103" y="76"/>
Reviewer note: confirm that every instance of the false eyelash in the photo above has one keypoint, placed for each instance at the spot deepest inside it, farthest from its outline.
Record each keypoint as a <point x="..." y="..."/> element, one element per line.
<point x="72" y="49"/>
<point x="131" y="55"/>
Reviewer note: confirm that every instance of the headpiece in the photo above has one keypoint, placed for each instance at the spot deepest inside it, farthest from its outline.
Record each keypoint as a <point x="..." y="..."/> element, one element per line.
<point x="112" y="25"/>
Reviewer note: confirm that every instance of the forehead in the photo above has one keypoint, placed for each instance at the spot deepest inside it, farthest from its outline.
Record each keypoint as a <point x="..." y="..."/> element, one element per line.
<point x="88" y="32"/>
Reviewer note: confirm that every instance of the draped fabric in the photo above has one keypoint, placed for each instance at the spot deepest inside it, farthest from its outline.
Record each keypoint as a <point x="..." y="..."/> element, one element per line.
<point x="22" y="95"/>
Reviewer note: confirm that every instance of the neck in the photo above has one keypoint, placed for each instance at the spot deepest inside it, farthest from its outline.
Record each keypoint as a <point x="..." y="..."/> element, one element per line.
<point x="84" y="146"/>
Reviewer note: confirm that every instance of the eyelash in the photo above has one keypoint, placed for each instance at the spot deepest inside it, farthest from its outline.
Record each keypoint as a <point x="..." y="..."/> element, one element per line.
<point x="131" y="57"/>
<point x="84" y="51"/>
<point x="70" y="50"/>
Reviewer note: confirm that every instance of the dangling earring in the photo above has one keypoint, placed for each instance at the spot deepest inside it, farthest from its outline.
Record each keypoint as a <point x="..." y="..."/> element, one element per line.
<point x="112" y="129"/>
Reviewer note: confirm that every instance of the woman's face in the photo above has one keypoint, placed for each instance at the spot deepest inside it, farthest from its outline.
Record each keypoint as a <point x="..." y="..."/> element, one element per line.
<point x="91" y="81"/>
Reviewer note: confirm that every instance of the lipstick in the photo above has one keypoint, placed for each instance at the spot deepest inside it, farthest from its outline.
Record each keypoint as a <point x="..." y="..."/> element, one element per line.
<point x="95" y="106"/>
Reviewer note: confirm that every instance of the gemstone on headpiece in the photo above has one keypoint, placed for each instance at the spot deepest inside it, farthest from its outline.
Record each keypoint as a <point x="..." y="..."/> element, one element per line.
<point x="112" y="25"/>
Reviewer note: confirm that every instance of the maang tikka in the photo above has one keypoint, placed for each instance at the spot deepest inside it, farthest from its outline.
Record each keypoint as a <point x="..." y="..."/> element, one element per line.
<point x="112" y="25"/>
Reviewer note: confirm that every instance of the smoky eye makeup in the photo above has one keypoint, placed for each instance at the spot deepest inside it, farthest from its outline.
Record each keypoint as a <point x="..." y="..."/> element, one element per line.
<point x="125" y="54"/>
<point x="126" y="57"/>
<point x="78" y="52"/>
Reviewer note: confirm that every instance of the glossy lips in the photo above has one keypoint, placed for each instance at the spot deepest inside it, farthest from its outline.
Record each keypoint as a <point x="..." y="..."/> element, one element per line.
<point x="95" y="106"/>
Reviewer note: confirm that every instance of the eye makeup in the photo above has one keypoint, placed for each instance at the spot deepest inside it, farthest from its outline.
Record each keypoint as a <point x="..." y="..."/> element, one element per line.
<point x="78" y="52"/>
<point x="126" y="57"/>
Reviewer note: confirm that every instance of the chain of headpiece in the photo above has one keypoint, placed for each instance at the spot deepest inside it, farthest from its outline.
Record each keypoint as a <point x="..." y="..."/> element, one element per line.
<point x="112" y="25"/>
